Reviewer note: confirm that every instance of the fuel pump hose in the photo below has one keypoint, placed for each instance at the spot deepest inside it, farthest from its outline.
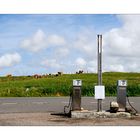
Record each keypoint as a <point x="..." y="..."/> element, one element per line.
<point x="131" y="104"/>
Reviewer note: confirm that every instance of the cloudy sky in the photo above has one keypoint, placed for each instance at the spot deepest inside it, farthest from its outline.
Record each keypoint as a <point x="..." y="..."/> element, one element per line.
<point x="31" y="44"/>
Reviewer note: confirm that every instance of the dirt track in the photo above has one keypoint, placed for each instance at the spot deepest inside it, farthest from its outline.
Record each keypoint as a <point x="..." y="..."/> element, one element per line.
<point x="46" y="119"/>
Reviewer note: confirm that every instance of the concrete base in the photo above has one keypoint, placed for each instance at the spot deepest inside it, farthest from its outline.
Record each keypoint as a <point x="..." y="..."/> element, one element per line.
<point x="103" y="114"/>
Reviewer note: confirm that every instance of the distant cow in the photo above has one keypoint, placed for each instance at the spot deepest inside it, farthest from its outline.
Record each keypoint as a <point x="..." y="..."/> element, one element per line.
<point x="60" y="73"/>
<point x="80" y="71"/>
<point x="37" y="76"/>
<point x="9" y="75"/>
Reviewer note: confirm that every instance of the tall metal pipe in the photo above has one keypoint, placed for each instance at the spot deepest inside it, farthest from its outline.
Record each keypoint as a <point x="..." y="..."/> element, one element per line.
<point x="99" y="61"/>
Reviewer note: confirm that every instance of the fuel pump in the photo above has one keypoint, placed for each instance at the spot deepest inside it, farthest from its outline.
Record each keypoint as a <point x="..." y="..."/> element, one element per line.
<point x="75" y="98"/>
<point x="76" y="95"/>
<point x="121" y="94"/>
<point x="122" y="97"/>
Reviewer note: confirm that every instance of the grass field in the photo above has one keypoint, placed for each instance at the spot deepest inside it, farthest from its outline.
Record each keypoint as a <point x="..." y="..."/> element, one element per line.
<point x="62" y="85"/>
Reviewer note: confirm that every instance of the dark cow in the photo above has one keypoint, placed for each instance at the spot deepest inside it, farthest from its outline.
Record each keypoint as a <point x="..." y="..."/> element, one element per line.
<point x="60" y="73"/>
<point x="9" y="75"/>
<point x="80" y="72"/>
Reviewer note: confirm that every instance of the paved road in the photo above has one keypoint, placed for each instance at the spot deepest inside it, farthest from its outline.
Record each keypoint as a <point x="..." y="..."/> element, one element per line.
<point x="53" y="104"/>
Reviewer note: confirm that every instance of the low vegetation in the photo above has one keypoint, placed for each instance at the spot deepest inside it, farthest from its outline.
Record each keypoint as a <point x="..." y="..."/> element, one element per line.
<point x="51" y="85"/>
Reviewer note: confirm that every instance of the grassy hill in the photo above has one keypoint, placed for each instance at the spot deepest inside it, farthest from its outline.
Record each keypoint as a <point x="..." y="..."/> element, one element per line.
<point x="23" y="86"/>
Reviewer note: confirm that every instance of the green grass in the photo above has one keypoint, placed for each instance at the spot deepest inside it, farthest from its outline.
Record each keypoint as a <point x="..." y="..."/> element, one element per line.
<point x="62" y="85"/>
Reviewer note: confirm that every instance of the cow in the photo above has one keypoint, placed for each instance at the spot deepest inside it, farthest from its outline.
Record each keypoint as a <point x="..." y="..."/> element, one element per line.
<point x="60" y="73"/>
<point x="80" y="72"/>
<point x="37" y="76"/>
<point x="9" y="75"/>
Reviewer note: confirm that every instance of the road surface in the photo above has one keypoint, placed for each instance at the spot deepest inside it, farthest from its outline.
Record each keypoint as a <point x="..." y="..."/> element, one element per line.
<point x="53" y="104"/>
<point x="36" y="111"/>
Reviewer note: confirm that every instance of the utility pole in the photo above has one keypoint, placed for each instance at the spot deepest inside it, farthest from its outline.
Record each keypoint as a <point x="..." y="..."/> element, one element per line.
<point x="99" y="61"/>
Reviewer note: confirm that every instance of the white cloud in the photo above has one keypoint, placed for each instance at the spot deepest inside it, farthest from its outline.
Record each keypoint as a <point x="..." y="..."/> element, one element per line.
<point x="85" y="43"/>
<point x="8" y="60"/>
<point x="56" y="40"/>
<point x="36" y="42"/>
<point x="61" y="52"/>
<point x="121" y="48"/>
<point x="122" y="45"/>
<point x="51" y="63"/>
<point x="116" y="67"/>
<point x="80" y="63"/>
<point x="117" y="44"/>
<point x="92" y="66"/>
<point x="40" y="41"/>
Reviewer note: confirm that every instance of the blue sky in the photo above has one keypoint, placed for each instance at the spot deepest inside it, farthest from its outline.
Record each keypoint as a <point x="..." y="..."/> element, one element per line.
<point x="48" y="43"/>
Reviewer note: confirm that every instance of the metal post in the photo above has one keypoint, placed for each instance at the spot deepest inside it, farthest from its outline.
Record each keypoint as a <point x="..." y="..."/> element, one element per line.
<point x="99" y="104"/>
